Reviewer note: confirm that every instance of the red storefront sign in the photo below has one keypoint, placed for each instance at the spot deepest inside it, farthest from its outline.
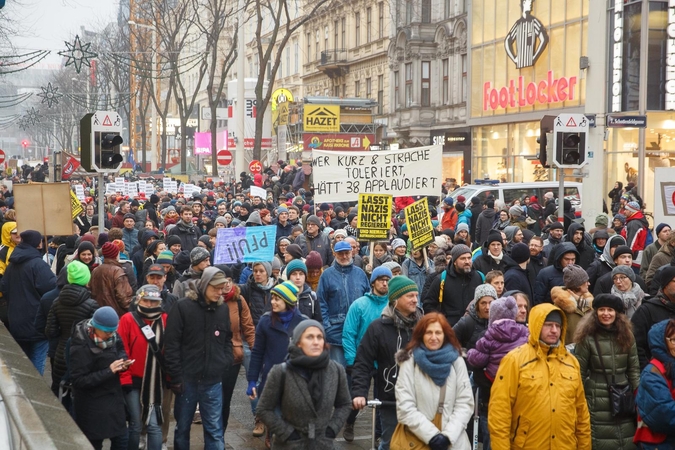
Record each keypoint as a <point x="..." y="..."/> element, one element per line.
<point x="520" y="94"/>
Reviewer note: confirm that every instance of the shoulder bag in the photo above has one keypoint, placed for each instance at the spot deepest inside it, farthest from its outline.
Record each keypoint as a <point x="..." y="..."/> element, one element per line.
<point x="621" y="397"/>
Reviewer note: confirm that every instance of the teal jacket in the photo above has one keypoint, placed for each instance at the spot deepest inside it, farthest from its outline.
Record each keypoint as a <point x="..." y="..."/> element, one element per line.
<point x="361" y="313"/>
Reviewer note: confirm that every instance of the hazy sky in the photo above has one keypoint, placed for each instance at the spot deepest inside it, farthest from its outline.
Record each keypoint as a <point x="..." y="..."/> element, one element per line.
<point x="46" y="24"/>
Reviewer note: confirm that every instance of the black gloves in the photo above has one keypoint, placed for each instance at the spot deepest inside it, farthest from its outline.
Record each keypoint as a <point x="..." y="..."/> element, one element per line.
<point x="295" y="436"/>
<point x="439" y="442"/>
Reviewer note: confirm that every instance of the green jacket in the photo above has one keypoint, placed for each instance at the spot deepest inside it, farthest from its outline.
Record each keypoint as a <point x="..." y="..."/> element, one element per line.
<point x="647" y="256"/>
<point x="622" y="368"/>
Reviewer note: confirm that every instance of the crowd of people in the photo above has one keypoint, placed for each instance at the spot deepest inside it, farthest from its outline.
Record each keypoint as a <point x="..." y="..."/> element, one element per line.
<point x="547" y="325"/>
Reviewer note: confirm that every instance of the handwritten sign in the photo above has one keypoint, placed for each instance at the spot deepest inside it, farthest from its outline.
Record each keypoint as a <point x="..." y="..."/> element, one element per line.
<point x="245" y="244"/>
<point x="341" y="176"/>
<point x="374" y="216"/>
<point x="420" y="229"/>
<point x="75" y="205"/>
<point x="258" y="192"/>
<point x="79" y="192"/>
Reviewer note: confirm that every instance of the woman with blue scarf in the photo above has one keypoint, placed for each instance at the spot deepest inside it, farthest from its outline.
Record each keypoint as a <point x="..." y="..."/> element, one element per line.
<point x="430" y="361"/>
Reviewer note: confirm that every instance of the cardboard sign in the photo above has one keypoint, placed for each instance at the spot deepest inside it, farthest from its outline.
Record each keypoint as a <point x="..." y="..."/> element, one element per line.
<point x="245" y="244"/>
<point x="342" y="176"/>
<point x="420" y="229"/>
<point x="374" y="216"/>
<point x="40" y="207"/>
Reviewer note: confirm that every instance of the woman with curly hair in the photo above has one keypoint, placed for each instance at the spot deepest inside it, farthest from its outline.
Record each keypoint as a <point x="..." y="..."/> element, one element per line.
<point x="607" y="355"/>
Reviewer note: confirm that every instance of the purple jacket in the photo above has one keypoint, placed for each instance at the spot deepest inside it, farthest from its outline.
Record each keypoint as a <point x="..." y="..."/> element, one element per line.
<point x="501" y="337"/>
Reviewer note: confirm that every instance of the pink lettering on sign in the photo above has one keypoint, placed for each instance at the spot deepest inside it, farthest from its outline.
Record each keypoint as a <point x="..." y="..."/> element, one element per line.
<point x="519" y="94"/>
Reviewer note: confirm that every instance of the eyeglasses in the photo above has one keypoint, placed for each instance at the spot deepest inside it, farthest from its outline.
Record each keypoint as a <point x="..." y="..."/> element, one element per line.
<point x="621" y="278"/>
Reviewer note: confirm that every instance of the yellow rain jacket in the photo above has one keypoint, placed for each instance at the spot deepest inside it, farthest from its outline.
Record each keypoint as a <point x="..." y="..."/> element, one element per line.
<point x="537" y="400"/>
<point x="7" y="245"/>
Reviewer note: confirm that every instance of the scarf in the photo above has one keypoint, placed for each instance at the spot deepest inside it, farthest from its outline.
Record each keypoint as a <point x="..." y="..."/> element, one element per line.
<point x="436" y="364"/>
<point x="229" y="296"/>
<point x="285" y="317"/>
<point x="498" y="259"/>
<point x="100" y="343"/>
<point x="313" y="281"/>
<point x="267" y="286"/>
<point x="151" y="385"/>
<point x="405" y="322"/>
<point x="632" y="298"/>
<point x="310" y="368"/>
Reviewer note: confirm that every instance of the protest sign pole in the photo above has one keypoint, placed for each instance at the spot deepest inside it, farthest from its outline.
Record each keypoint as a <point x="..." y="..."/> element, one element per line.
<point x="426" y="258"/>
<point x="370" y="252"/>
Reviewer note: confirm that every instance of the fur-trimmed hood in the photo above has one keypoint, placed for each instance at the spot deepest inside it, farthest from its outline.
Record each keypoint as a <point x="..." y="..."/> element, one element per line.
<point x="403" y="355"/>
<point x="567" y="301"/>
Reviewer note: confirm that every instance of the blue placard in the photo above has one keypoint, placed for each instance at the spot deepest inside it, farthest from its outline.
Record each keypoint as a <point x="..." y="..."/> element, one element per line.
<point x="245" y="244"/>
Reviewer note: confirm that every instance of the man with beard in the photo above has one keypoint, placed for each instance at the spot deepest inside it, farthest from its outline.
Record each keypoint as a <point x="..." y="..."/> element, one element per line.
<point x="576" y="234"/>
<point x="555" y="234"/>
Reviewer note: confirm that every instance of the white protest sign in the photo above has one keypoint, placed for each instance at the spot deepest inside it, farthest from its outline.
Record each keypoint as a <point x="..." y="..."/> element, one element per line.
<point x="132" y="190"/>
<point x="110" y="188"/>
<point x="258" y="192"/>
<point x="79" y="192"/>
<point x="342" y="176"/>
<point x="119" y="184"/>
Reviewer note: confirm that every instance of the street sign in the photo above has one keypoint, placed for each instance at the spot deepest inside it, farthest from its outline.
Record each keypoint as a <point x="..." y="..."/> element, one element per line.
<point x="224" y="157"/>
<point x="255" y="167"/>
<point x="616" y="121"/>
<point x="2" y="156"/>
<point x="570" y="141"/>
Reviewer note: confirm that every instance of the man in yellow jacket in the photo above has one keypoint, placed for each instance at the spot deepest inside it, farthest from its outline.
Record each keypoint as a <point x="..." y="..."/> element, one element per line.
<point x="537" y="400"/>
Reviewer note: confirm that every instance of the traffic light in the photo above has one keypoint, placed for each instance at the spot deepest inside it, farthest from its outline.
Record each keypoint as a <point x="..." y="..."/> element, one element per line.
<point x="570" y="149"/>
<point x="108" y="150"/>
<point x="25" y="143"/>
<point x="545" y="146"/>
<point x="100" y="141"/>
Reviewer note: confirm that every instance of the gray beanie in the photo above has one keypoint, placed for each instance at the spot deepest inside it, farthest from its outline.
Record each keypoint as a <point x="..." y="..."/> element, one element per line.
<point x="302" y="326"/>
<point x="254" y="218"/>
<point x="516" y="211"/>
<point x="198" y="254"/>
<point x="391" y="265"/>
<point x="574" y="276"/>
<point x="624" y="270"/>
<point x="221" y="219"/>
<point x="484" y="290"/>
<point x="314" y="219"/>
<point x="441" y="242"/>
<point x="459" y="250"/>
<point x="266" y="265"/>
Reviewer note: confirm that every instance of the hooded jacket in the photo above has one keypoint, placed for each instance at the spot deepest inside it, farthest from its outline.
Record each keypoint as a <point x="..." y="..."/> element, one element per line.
<point x="586" y="251"/>
<point x="662" y="258"/>
<point x="198" y="341"/>
<point x="457" y="293"/>
<point x="635" y="232"/>
<point x="484" y="263"/>
<point x="7" y="245"/>
<point x="484" y="224"/>
<point x="361" y="313"/>
<point x="501" y="337"/>
<point x="552" y="275"/>
<point x="257" y="296"/>
<point x="308" y="304"/>
<point x="339" y="286"/>
<point x="652" y="311"/>
<point x="319" y="243"/>
<point x="470" y="328"/>
<point x="110" y="286"/>
<point x="188" y="234"/>
<point x="647" y="256"/>
<point x="605" y="263"/>
<point x="654" y="401"/>
<point x="26" y="280"/>
<point x="575" y="309"/>
<point x="537" y="400"/>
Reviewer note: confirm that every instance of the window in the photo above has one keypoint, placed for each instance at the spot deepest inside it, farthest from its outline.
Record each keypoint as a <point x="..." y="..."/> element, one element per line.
<point x="369" y="23"/>
<point x="464" y="87"/>
<point x="368" y="87"/>
<point x="250" y="67"/>
<point x="446" y="69"/>
<point x="396" y="93"/>
<point x="357" y="20"/>
<point x="335" y="35"/>
<point x="426" y="11"/>
<point x="380" y="25"/>
<point x="336" y="90"/>
<point x="408" y="85"/>
<point x="288" y="61"/>
<point x="380" y="93"/>
<point x="357" y="88"/>
<point x="309" y="47"/>
<point x="408" y="11"/>
<point x="344" y="34"/>
<point x="426" y="83"/>
<point x="325" y="38"/>
<point x="280" y="69"/>
<point x="344" y="90"/>
<point x="447" y="7"/>
<point x="296" y="55"/>
<point x="317" y="53"/>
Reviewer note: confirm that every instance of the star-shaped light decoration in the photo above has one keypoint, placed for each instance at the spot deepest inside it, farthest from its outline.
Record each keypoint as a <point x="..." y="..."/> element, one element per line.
<point x="78" y="54"/>
<point x="50" y="95"/>
<point x="23" y="124"/>
<point x="32" y="117"/>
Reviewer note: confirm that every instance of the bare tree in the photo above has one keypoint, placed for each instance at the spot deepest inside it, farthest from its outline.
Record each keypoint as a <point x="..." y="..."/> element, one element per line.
<point x="283" y="26"/>
<point x="217" y="26"/>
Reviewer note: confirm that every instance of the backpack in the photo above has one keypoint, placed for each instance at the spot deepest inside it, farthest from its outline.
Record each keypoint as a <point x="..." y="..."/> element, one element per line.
<point x="650" y="237"/>
<point x="643" y="433"/>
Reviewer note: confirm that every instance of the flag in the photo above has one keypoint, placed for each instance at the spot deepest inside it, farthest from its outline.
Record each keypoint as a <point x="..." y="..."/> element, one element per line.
<point x="69" y="167"/>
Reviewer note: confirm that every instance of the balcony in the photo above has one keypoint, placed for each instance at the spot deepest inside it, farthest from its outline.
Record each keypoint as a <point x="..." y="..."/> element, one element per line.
<point x="334" y="63"/>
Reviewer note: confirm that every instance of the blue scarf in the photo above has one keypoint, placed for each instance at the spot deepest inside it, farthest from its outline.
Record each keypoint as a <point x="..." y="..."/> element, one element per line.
<point x="436" y="363"/>
<point x="286" y="317"/>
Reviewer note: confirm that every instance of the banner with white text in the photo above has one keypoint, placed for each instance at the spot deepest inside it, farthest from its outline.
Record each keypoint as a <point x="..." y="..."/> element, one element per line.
<point x="342" y="176"/>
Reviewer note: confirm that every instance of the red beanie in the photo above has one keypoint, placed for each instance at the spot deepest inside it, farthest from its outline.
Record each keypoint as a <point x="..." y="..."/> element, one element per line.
<point x="110" y="250"/>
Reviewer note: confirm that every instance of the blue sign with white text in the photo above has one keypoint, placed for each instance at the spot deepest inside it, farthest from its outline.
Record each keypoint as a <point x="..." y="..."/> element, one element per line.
<point x="245" y="244"/>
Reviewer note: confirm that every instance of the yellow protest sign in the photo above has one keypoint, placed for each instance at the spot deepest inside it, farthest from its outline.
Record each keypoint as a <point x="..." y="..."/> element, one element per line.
<point x="420" y="229"/>
<point x="374" y="216"/>
<point x="75" y="205"/>
<point x="321" y="118"/>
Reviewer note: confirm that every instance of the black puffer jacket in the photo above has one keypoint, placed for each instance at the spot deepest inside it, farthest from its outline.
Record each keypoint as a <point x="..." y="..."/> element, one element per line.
<point x="457" y="293"/>
<point x="99" y="400"/>
<point x="258" y="298"/>
<point x="470" y="328"/>
<point x="585" y="249"/>
<point x="73" y="305"/>
<point x="552" y="276"/>
<point x="188" y="235"/>
<point x="485" y="263"/>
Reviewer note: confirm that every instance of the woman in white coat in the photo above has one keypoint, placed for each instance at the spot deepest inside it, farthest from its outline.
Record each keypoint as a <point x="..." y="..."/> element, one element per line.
<point x="432" y="359"/>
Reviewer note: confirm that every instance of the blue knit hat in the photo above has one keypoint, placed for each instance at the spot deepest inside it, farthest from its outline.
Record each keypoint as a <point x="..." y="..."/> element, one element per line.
<point x="288" y="292"/>
<point x="105" y="319"/>
<point x="380" y="271"/>
<point x="294" y="265"/>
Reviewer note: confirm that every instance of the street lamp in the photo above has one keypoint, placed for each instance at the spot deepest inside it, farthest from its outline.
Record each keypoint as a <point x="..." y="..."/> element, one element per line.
<point x="153" y="141"/>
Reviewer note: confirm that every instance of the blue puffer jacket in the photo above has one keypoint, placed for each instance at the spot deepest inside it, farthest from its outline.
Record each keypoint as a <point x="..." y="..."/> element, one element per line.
<point x="417" y="273"/>
<point x="654" y="401"/>
<point x="338" y="287"/>
<point x="362" y="312"/>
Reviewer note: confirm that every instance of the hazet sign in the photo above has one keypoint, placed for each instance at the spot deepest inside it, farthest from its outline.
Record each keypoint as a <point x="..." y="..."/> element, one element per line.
<point x="322" y="118"/>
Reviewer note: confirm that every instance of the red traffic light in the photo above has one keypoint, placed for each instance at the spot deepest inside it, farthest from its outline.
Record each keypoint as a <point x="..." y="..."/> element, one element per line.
<point x="25" y="143"/>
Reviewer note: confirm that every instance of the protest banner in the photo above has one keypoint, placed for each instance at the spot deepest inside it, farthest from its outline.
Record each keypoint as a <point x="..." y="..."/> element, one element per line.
<point x="342" y="176"/>
<point x="245" y="244"/>
<point x="374" y="216"/>
<point x="256" y="191"/>
<point x="420" y="229"/>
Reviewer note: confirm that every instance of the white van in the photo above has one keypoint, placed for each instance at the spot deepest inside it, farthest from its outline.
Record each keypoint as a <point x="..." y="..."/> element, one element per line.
<point x="507" y="192"/>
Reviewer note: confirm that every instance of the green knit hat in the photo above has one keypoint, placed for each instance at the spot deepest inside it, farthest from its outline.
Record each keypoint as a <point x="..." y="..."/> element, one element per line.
<point x="287" y="291"/>
<point x="78" y="273"/>
<point x="399" y="286"/>
<point x="165" y="257"/>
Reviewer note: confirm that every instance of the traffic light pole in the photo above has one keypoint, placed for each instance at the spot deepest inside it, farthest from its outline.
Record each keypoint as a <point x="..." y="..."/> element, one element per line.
<point x="101" y="202"/>
<point x="561" y="195"/>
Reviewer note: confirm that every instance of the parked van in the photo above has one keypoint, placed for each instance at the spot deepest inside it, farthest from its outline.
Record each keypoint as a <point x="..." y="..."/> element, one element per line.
<point x="508" y="192"/>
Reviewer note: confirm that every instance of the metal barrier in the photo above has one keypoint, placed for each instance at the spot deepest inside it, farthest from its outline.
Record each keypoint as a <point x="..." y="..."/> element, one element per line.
<point x="31" y="416"/>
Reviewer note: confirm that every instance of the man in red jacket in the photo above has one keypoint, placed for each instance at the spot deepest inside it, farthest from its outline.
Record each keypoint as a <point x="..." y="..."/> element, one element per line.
<point x="635" y="232"/>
